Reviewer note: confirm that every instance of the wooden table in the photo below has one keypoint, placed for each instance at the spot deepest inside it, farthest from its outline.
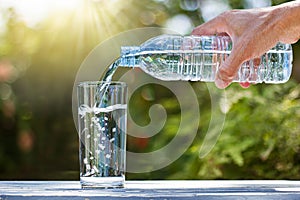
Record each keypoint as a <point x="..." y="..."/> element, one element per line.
<point x="153" y="190"/>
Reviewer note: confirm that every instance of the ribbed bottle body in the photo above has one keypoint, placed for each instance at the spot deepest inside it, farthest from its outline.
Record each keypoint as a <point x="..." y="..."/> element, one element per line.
<point x="198" y="58"/>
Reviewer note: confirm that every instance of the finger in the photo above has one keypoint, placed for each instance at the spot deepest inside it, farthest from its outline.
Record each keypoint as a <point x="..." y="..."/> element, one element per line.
<point x="245" y="84"/>
<point x="221" y="84"/>
<point x="211" y="27"/>
<point x="228" y="70"/>
<point x="223" y="78"/>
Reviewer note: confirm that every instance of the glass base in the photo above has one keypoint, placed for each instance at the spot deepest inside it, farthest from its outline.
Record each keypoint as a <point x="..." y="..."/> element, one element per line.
<point x="102" y="182"/>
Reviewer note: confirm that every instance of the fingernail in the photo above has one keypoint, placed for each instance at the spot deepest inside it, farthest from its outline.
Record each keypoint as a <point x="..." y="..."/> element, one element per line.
<point x="245" y="84"/>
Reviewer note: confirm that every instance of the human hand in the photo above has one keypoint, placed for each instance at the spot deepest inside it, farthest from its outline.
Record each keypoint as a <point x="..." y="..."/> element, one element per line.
<point x="253" y="32"/>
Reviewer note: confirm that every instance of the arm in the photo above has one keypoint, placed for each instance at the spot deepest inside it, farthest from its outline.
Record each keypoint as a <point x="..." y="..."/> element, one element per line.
<point x="253" y="32"/>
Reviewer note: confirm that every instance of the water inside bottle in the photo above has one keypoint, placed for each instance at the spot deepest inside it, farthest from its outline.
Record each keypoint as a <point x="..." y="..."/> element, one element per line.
<point x="272" y="67"/>
<point x="183" y="65"/>
<point x="202" y="65"/>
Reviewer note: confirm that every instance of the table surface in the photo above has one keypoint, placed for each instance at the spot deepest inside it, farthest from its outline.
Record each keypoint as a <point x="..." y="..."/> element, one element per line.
<point x="153" y="190"/>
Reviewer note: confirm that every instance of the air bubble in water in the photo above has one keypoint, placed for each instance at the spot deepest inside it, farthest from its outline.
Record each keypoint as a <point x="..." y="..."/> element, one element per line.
<point x="88" y="167"/>
<point x="101" y="146"/>
<point x="85" y="161"/>
<point x="96" y="169"/>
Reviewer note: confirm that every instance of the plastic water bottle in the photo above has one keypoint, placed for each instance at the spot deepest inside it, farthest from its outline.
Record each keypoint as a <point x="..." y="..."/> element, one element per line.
<point x="198" y="58"/>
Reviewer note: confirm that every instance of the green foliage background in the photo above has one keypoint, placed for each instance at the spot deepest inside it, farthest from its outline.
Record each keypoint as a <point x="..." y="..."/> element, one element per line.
<point x="38" y="139"/>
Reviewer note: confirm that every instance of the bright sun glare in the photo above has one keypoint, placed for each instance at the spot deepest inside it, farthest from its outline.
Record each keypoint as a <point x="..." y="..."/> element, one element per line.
<point x="33" y="11"/>
<point x="84" y="18"/>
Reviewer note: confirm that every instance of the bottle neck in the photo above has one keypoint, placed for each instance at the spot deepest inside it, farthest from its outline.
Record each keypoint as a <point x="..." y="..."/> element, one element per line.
<point x="130" y="56"/>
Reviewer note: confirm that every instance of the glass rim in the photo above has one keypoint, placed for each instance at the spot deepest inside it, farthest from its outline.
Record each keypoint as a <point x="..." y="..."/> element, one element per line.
<point x="97" y="83"/>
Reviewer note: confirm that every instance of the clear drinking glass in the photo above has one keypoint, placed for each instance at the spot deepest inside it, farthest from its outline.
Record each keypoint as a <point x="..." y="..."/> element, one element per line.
<point x="102" y="117"/>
